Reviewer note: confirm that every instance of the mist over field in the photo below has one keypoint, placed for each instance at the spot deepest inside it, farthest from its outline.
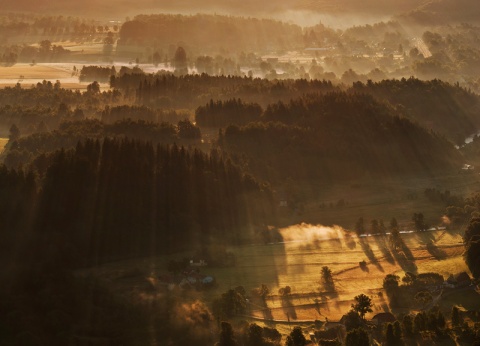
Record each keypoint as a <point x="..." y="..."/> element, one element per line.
<point x="240" y="172"/>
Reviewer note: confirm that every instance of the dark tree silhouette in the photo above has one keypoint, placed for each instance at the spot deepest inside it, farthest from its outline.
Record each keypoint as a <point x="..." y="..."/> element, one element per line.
<point x="362" y="305"/>
<point x="227" y="337"/>
<point x="357" y="337"/>
<point x="296" y="338"/>
<point x="180" y="61"/>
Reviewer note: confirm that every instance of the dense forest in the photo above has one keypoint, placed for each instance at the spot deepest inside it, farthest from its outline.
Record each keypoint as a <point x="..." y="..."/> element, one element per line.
<point x="23" y="150"/>
<point x="195" y="90"/>
<point x="90" y="205"/>
<point x="114" y="199"/>
<point x="315" y="122"/>
<point x="338" y="136"/>
<point x="437" y="105"/>
<point x="218" y="173"/>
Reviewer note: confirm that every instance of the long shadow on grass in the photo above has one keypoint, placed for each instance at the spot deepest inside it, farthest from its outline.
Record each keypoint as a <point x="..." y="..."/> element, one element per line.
<point x="404" y="258"/>
<point x="436" y="252"/>
<point x="383" y="246"/>
<point x="349" y="241"/>
<point x="425" y="237"/>
<point x="256" y="264"/>
<point x="370" y="254"/>
<point x="383" y="303"/>
<point x="288" y="308"/>
<point x="407" y="252"/>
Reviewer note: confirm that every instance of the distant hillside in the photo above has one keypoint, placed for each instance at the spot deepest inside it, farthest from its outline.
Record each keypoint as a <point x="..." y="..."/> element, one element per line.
<point x="385" y="7"/>
<point x="437" y="105"/>
<point x="109" y="8"/>
<point x="436" y="12"/>
<point x="337" y="137"/>
<point x="207" y="33"/>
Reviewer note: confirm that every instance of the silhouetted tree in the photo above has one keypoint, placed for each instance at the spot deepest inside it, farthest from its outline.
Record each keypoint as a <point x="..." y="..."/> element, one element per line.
<point x="362" y="305"/>
<point x="352" y="320"/>
<point x="180" y="61"/>
<point x="393" y="224"/>
<point x="472" y="230"/>
<point x="455" y="316"/>
<point x="407" y="323"/>
<point x="357" y="337"/>
<point x="423" y="297"/>
<point x="254" y="335"/>
<point x="472" y="256"/>
<point x="187" y="130"/>
<point x="227" y="337"/>
<point x="327" y="277"/>
<point x="296" y="338"/>
<point x="409" y="278"/>
<point x="419" y="221"/>
<point x="390" y="282"/>
<point x="359" y="226"/>
<point x="14" y="133"/>
<point x="285" y="291"/>
<point x="93" y="88"/>
<point x="419" y="322"/>
<point x="397" y="332"/>
<point x="390" y="339"/>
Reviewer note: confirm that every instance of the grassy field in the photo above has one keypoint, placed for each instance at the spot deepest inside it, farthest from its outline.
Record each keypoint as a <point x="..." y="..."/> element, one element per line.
<point x="39" y="71"/>
<point x="298" y="264"/>
<point x="27" y="75"/>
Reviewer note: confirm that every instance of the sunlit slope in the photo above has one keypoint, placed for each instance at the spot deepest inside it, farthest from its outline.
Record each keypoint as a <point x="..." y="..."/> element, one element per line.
<point x="298" y="262"/>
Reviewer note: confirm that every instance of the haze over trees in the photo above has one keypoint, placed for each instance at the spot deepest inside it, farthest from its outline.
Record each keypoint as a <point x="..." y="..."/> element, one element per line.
<point x="239" y="173"/>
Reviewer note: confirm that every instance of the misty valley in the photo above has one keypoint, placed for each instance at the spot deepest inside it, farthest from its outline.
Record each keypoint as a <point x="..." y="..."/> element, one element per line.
<point x="240" y="173"/>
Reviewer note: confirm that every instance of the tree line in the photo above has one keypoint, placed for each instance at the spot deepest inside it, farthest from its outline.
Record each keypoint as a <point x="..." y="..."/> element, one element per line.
<point x="446" y="108"/>
<point x="37" y="147"/>
<point x="191" y="91"/>
<point x="337" y="136"/>
<point x="120" y="198"/>
<point x="208" y="33"/>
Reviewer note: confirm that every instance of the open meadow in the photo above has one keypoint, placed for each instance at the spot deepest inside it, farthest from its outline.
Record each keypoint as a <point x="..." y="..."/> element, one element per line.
<point x="29" y="74"/>
<point x="298" y="260"/>
<point x="297" y="263"/>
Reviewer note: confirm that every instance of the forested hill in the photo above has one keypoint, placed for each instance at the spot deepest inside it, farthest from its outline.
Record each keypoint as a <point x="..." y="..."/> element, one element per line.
<point x="442" y="107"/>
<point x="191" y="91"/>
<point x="338" y="136"/>
<point x="245" y="7"/>
<point x="439" y="12"/>
<point x="210" y="33"/>
<point x="445" y="108"/>
<point x="126" y="198"/>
